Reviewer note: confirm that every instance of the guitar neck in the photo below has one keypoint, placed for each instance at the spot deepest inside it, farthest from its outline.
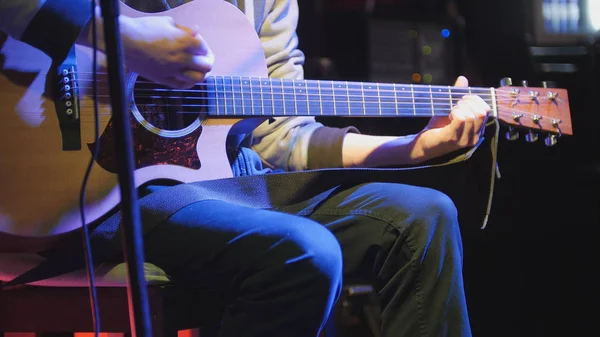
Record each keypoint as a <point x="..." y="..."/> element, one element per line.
<point x="249" y="96"/>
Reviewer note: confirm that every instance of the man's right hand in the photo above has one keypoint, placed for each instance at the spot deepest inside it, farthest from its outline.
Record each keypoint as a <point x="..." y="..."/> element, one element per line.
<point x="159" y="50"/>
<point x="163" y="52"/>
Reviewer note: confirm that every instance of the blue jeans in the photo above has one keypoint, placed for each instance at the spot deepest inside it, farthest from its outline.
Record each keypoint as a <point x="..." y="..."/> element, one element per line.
<point x="282" y="269"/>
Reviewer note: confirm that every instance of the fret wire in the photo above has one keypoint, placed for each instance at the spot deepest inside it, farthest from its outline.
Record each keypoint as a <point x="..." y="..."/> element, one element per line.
<point x="262" y="98"/>
<point x="242" y="94"/>
<point x="396" y="98"/>
<point x="362" y="90"/>
<point x="450" y="96"/>
<point x="307" y="102"/>
<point x="320" y="97"/>
<point x="348" y="99"/>
<point x="431" y="96"/>
<point x="217" y="92"/>
<point x="378" y="98"/>
<point x="224" y="94"/>
<point x="239" y="94"/>
<point x="333" y="94"/>
<point x="283" y="97"/>
<point x="251" y="96"/>
<point x="272" y="96"/>
<point x="304" y="85"/>
<point x="232" y="94"/>
<point x="295" y="100"/>
<point x="412" y="91"/>
<point x="216" y="96"/>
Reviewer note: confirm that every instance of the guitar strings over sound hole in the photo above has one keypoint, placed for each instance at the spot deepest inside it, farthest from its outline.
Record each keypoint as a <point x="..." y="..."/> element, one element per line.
<point x="166" y="108"/>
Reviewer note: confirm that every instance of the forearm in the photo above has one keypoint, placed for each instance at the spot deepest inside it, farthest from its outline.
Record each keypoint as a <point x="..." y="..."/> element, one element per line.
<point x="378" y="151"/>
<point x="86" y="37"/>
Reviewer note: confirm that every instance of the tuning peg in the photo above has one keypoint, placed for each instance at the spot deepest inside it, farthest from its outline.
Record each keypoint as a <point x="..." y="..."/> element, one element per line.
<point x="506" y="82"/>
<point x="511" y="134"/>
<point x="525" y="84"/>
<point x="548" y="84"/>
<point x="531" y="137"/>
<point x="551" y="140"/>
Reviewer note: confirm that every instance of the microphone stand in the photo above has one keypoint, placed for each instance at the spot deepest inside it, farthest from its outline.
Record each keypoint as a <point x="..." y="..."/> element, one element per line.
<point x="131" y="229"/>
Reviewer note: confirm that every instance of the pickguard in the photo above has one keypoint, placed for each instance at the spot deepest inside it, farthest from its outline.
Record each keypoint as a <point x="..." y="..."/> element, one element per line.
<point x="149" y="148"/>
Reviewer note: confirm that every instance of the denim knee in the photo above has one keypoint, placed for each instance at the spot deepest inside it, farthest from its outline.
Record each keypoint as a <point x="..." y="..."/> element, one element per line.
<point x="404" y="203"/>
<point x="315" y="247"/>
<point x="424" y="215"/>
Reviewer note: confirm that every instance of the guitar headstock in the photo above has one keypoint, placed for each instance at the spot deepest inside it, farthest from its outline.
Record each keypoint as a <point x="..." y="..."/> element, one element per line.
<point x="536" y="109"/>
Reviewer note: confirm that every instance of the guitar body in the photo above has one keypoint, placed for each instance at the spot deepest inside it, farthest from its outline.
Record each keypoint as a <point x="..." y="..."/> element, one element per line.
<point x="41" y="181"/>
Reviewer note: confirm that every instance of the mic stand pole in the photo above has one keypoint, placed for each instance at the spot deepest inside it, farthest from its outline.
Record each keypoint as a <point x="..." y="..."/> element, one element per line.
<point x="131" y="231"/>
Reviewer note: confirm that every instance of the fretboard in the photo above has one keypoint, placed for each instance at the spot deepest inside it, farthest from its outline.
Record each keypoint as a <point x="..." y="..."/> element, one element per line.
<point x="251" y="96"/>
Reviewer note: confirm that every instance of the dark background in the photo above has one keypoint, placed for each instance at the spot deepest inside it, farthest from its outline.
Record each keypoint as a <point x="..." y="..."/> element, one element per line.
<point x="532" y="271"/>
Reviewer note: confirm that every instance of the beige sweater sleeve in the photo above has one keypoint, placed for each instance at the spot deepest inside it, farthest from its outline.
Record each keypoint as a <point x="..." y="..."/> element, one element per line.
<point x="51" y="26"/>
<point x="290" y="143"/>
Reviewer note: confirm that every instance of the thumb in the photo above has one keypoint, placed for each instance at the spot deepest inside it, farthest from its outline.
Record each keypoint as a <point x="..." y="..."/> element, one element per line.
<point x="461" y="81"/>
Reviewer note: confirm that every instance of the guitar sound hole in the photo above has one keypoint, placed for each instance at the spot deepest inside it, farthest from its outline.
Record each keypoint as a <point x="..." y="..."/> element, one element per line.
<point x="166" y="108"/>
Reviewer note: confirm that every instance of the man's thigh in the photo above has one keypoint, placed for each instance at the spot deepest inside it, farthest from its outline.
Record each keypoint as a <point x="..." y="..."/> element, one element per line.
<point x="212" y="241"/>
<point x="370" y="220"/>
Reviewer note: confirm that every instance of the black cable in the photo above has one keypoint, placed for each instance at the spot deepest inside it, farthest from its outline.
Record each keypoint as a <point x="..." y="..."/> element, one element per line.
<point x="89" y="262"/>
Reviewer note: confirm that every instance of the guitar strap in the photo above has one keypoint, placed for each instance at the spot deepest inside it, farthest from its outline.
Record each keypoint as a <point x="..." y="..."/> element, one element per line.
<point x="259" y="191"/>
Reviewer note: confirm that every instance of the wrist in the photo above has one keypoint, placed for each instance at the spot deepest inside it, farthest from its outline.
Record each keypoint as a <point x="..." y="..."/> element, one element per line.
<point x="126" y="27"/>
<point x="418" y="148"/>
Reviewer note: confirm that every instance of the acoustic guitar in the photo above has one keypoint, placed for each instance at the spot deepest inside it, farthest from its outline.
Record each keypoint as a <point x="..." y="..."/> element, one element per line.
<point x="47" y="129"/>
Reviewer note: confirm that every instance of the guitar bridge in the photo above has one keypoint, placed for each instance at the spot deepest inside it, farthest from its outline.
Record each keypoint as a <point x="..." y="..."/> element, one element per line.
<point x="66" y="103"/>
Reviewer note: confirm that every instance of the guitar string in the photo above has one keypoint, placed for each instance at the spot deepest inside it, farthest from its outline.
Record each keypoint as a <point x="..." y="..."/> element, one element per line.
<point x="247" y="95"/>
<point x="506" y="115"/>
<point x="390" y="104"/>
<point x="261" y="104"/>
<point x="395" y="100"/>
<point x="409" y="96"/>
<point x="392" y="101"/>
<point x="279" y="83"/>
<point x="447" y="91"/>
<point x="278" y="97"/>
<point x="425" y="91"/>
<point x="308" y="103"/>
<point x="342" y="84"/>
<point x="239" y="102"/>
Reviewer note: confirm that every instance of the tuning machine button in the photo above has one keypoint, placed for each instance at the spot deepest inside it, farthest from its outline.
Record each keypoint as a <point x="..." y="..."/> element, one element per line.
<point x="551" y="140"/>
<point x="506" y="82"/>
<point x="511" y="134"/>
<point x="525" y="84"/>
<point x="531" y="137"/>
<point x="548" y="84"/>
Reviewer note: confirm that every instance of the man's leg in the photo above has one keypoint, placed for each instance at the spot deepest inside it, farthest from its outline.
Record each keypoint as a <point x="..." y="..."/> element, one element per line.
<point x="406" y="240"/>
<point x="281" y="272"/>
